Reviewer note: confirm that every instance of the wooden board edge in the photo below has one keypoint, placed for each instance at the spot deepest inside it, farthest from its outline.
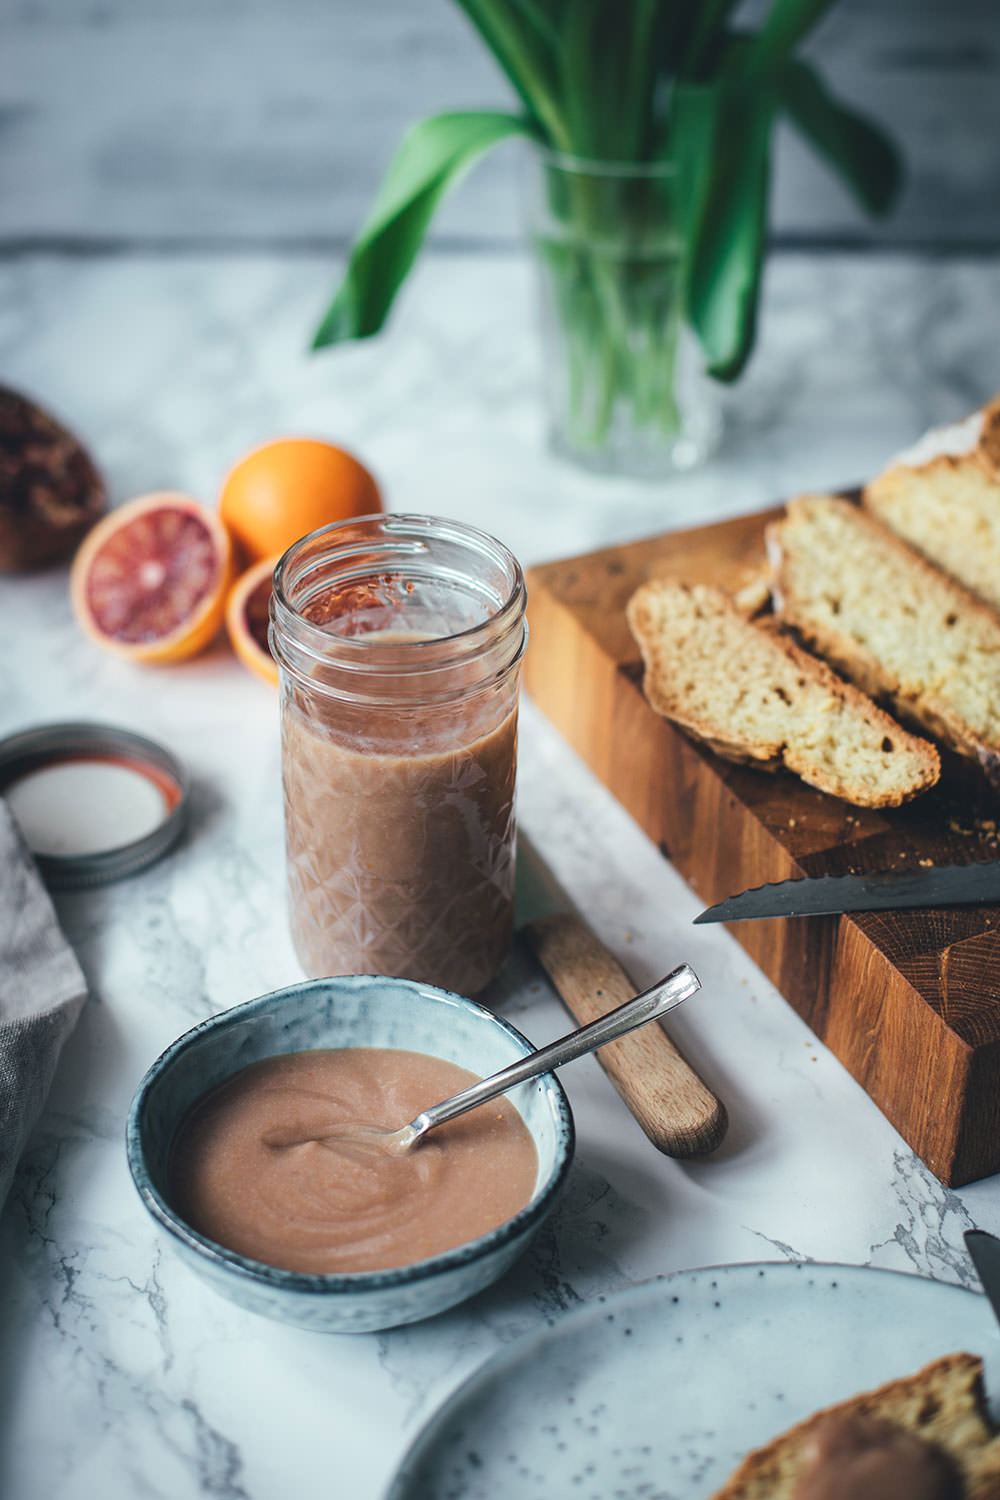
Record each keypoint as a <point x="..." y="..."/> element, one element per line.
<point x="659" y="779"/>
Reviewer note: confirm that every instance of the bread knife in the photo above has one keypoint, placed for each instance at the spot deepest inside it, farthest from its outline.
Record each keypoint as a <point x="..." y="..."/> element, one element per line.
<point x="976" y="884"/>
<point x="984" y="1252"/>
<point x="675" y="1108"/>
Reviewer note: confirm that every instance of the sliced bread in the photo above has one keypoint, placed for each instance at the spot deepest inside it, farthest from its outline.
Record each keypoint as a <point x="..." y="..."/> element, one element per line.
<point x="889" y="620"/>
<point x="941" y="1405"/>
<point x="753" y="695"/>
<point x="943" y="497"/>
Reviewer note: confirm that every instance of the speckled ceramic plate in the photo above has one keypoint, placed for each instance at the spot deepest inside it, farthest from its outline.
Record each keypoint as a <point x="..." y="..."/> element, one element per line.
<point x="657" y="1391"/>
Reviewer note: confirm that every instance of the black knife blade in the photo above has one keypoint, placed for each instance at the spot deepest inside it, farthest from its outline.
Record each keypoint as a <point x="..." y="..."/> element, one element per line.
<point x="984" y="1252"/>
<point x="975" y="884"/>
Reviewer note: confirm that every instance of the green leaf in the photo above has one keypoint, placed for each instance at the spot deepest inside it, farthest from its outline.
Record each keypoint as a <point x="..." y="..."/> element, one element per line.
<point x="525" y="43"/>
<point x="654" y="24"/>
<point x="787" y="23"/>
<point x="729" y="225"/>
<point x="593" y="60"/>
<point x="859" y="152"/>
<point x="539" y="21"/>
<point x="706" y="36"/>
<point x="576" y="76"/>
<point x="430" y="158"/>
<point x="689" y="143"/>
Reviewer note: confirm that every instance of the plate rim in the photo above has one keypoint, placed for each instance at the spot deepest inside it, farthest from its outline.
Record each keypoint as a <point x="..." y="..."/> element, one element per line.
<point x="521" y="1347"/>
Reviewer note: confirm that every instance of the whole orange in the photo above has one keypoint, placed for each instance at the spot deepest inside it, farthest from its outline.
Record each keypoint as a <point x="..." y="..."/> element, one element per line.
<point x="286" y="488"/>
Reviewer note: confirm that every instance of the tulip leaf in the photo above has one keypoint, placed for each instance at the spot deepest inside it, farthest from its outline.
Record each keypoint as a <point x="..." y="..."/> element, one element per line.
<point x="431" y="157"/>
<point x="651" y="81"/>
<point x="786" y="25"/>
<point x="729" y="228"/>
<point x="526" y="44"/>
<point x="863" y="157"/>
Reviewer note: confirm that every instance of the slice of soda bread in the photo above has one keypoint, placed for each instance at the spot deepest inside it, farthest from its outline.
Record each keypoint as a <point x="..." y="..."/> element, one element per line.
<point x="942" y="1405"/>
<point x="890" y="621"/>
<point x="943" y="497"/>
<point x="753" y="695"/>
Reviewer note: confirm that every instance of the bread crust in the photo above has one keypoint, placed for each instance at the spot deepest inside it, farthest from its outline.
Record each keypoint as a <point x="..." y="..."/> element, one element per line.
<point x="947" y="505"/>
<point x="842" y="640"/>
<point x="942" y="1404"/>
<point x="983" y="454"/>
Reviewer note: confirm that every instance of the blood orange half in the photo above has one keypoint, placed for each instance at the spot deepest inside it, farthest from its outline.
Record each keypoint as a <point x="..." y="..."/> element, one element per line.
<point x="247" y="612"/>
<point x="149" y="581"/>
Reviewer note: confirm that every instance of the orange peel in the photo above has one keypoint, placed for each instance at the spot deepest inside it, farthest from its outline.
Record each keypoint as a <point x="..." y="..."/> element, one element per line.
<point x="247" y="606"/>
<point x="282" y="490"/>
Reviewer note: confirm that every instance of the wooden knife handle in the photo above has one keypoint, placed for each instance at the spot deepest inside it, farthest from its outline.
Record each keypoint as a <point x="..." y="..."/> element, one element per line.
<point x="681" y="1116"/>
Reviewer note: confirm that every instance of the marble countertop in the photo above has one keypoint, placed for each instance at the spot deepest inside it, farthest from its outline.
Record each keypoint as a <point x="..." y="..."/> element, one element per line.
<point x="123" y="1375"/>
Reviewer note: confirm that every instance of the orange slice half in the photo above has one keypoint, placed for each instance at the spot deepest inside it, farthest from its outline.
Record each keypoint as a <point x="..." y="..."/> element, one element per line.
<point x="247" y="613"/>
<point x="149" y="581"/>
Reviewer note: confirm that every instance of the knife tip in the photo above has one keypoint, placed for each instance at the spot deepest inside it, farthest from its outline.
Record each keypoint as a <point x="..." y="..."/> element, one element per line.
<point x="977" y="1236"/>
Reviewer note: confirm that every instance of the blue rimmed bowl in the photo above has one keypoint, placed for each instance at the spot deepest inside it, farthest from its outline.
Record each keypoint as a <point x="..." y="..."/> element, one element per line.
<point x="346" y="1011"/>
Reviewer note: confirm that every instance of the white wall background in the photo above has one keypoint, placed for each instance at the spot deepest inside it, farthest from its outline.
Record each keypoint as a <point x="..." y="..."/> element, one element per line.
<point x="126" y="123"/>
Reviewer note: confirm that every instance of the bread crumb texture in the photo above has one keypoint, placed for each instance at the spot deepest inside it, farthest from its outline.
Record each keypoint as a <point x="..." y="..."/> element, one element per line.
<point x="942" y="1404"/>
<point x="748" y="690"/>
<point x="891" y="621"/>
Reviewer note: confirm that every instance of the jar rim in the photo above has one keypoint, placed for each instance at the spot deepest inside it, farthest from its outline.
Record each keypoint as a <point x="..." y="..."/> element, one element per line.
<point x="406" y="535"/>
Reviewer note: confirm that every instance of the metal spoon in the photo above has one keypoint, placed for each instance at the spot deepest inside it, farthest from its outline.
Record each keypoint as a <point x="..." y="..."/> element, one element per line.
<point x="649" y="1006"/>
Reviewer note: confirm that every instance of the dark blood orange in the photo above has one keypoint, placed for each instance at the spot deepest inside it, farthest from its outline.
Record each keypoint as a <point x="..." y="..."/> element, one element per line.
<point x="247" y="612"/>
<point x="150" y="580"/>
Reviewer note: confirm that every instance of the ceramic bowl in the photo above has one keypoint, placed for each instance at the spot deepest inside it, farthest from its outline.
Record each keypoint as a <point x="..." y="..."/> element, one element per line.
<point x="351" y="1011"/>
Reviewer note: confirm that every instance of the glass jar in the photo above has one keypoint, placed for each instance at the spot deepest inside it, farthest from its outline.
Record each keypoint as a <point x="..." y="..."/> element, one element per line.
<point x="399" y="642"/>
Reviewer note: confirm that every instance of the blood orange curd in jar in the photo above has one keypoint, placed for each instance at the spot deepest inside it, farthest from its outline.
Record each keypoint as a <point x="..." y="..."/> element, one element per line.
<point x="399" y="642"/>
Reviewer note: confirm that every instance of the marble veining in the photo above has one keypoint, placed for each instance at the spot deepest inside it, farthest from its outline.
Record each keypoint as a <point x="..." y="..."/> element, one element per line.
<point x="124" y="1375"/>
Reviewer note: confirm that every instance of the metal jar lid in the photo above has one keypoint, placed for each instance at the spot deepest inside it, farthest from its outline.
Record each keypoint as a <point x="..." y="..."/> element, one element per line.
<point x="93" y="802"/>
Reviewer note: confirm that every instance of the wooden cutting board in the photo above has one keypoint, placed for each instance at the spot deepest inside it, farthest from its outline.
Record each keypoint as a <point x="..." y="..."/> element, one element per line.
<point x="908" y="1001"/>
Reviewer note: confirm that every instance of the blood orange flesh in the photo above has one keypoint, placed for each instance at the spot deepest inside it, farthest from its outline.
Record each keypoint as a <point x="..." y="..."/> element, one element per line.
<point x="256" y="610"/>
<point x="150" y="579"/>
<point x="149" y="576"/>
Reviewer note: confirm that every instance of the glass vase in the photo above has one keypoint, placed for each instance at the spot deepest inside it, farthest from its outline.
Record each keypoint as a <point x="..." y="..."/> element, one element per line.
<point x="624" y="382"/>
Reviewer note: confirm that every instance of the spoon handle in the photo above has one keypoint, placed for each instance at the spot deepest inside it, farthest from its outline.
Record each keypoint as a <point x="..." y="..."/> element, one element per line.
<point x="667" y="1097"/>
<point x="649" y="1006"/>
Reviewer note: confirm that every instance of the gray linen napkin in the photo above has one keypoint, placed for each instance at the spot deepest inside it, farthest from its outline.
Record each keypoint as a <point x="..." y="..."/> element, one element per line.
<point x="42" y="990"/>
